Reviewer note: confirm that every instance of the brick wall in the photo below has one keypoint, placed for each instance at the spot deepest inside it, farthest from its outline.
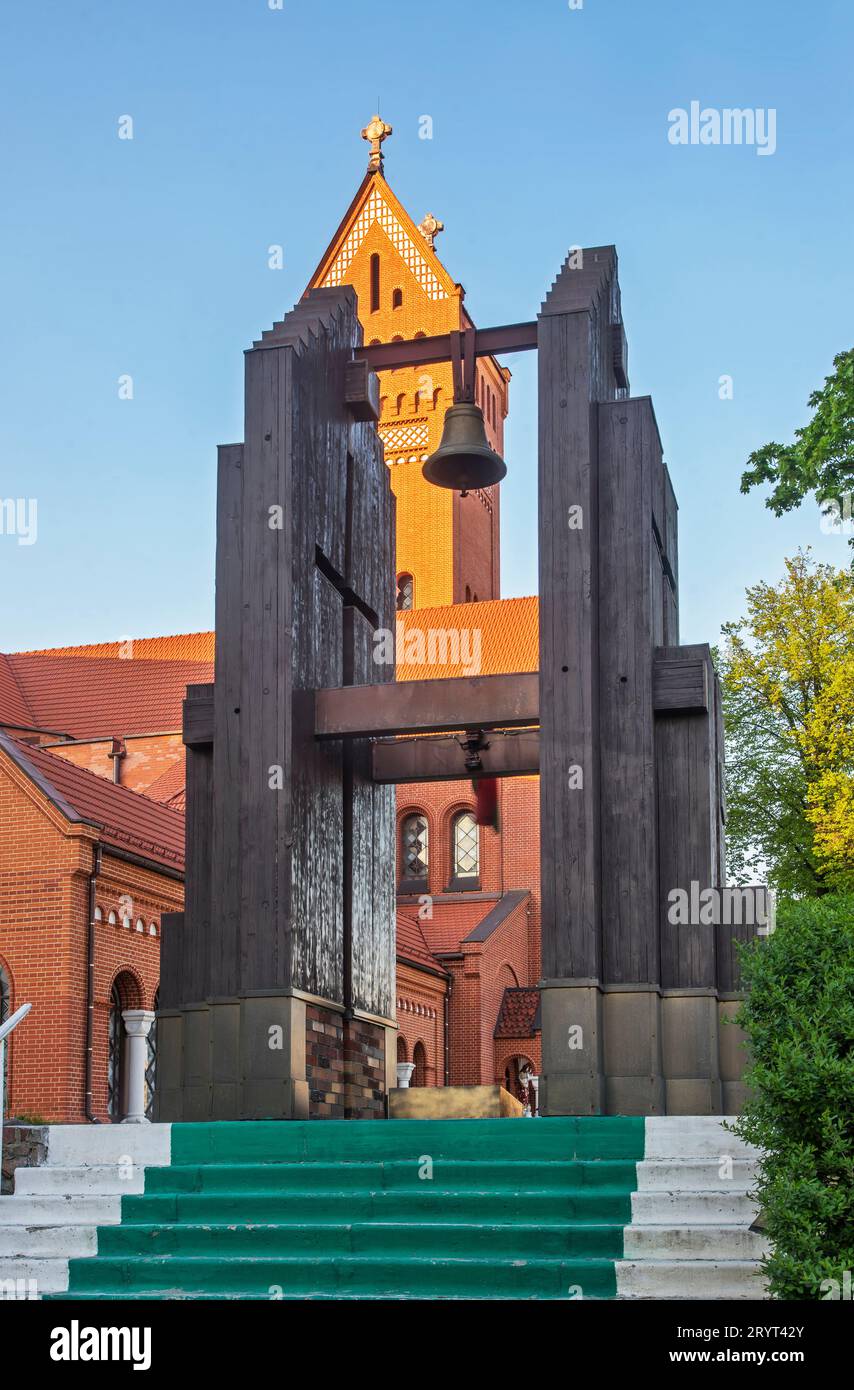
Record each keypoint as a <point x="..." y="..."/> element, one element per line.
<point x="345" y="1066"/>
<point x="45" y="865"/>
<point x="421" y="1020"/>
<point x="147" y="758"/>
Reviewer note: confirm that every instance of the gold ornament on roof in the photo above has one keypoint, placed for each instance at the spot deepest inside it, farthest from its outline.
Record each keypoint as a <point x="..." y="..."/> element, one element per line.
<point x="430" y="229"/>
<point x="376" y="131"/>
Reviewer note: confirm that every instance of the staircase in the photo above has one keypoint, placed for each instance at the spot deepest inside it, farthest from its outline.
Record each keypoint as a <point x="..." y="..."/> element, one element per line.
<point x="594" y="1207"/>
<point x="690" y="1234"/>
<point x="57" y="1209"/>
<point x="375" y="1209"/>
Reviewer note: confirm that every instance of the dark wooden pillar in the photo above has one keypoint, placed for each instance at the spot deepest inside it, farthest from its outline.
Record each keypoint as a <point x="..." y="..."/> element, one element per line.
<point x="296" y="844"/>
<point x="575" y="372"/>
<point x="630" y="585"/>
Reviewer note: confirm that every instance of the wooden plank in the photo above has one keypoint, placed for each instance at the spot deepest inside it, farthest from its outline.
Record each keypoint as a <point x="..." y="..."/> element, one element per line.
<point x="197" y="878"/>
<point x="681" y="680"/>
<point x="433" y="706"/>
<point x="569" y="655"/>
<point x="629" y="458"/>
<point x="198" y="716"/>
<point x="418" y="352"/>
<point x="226" y="852"/>
<point x="442" y="759"/>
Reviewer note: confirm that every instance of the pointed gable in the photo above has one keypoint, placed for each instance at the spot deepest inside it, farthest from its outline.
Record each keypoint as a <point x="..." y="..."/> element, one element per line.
<point x="376" y="205"/>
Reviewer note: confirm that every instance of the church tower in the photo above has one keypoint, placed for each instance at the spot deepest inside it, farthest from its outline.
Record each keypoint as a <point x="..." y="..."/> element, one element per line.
<point x="447" y="545"/>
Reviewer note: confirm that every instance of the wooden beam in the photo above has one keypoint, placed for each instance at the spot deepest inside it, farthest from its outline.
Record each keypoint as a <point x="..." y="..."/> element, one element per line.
<point x="680" y="681"/>
<point x="443" y="760"/>
<point x="420" y="352"/>
<point x="198" y="727"/>
<point x="427" y="707"/>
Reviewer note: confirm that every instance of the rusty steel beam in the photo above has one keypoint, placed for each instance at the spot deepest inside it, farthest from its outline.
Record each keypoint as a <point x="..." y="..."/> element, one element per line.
<point x="443" y="760"/>
<point x="419" y="352"/>
<point x="428" y="707"/>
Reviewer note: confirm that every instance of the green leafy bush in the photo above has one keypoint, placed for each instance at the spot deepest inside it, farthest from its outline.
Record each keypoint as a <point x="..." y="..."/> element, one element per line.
<point x="799" y="1018"/>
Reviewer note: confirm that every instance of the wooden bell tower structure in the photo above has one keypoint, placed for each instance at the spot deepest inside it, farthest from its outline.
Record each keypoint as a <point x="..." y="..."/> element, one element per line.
<point x="277" y="998"/>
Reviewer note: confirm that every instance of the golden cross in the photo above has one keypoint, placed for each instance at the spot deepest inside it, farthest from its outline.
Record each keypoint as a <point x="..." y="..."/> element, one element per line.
<point x="376" y="131"/>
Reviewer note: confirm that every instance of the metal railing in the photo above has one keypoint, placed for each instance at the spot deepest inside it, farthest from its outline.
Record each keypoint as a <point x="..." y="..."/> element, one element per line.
<point x="6" y="1028"/>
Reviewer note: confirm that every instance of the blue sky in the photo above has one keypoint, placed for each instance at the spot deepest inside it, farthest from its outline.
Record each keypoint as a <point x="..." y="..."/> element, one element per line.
<point x="149" y="257"/>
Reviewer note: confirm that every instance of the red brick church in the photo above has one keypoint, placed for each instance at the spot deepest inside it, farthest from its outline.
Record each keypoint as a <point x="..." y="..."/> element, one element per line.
<point x="92" y="766"/>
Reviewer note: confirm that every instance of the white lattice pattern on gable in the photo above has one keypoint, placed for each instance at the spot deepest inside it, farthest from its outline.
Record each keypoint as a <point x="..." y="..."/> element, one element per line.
<point x="377" y="210"/>
<point x="399" y="439"/>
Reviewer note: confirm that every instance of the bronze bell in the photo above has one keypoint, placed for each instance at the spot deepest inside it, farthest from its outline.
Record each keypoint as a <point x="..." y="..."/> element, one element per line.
<point x="464" y="459"/>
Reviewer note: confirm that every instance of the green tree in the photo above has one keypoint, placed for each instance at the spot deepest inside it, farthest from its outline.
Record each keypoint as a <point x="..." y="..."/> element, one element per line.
<point x="787" y="678"/>
<point x="799" y="1020"/>
<point x="821" y="459"/>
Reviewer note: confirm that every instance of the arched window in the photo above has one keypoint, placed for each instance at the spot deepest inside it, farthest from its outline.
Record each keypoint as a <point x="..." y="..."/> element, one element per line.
<point x="397" y="299"/>
<point x="99" y="916"/>
<point x="415" y="849"/>
<point x="468" y="594"/>
<point x="419" y="1057"/>
<point x="375" y="283"/>
<point x="112" y="919"/>
<point x="405" y="592"/>
<point x="401" y="1048"/>
<point x="465" y="850"/>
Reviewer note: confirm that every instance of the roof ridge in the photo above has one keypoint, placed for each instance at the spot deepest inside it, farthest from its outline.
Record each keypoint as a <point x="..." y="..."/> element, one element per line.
<point x="115" y="641"/>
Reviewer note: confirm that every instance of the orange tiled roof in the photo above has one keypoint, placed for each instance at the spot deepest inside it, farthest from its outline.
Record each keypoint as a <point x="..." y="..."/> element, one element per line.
<point x="183" y="646"/>
<point x="519" y="1014"/>
<point x="127" y="820"/>
<point x="411" y="944"/>
<point x="168" y="788"/>
<point x="503" y="633"/>
<point x="14" y="708"/>
<point x="98" y="696"/>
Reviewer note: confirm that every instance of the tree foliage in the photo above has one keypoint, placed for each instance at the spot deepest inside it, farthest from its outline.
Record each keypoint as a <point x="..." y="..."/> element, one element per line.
<point x="787" y="677"/>
<point x="821" y="459"/>
<point x="799" y="1020"/>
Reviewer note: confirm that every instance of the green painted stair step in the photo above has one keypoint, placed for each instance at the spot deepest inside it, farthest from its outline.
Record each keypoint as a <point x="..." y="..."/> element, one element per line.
<point x="484" y="1175"/>
<point x="303" y="1276"/>
<point x="351" y="1209"/>
<point x="563" y="1240"/>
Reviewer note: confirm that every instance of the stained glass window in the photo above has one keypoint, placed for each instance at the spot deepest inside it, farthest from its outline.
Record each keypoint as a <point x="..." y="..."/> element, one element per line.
<point x="415" y="847"/>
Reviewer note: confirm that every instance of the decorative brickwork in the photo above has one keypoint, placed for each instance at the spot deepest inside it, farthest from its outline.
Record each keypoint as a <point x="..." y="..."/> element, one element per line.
<point x="345" y="1066"/>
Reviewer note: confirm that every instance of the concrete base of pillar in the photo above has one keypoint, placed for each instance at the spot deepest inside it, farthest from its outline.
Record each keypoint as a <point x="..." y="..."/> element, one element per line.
<point x="732" y="1050"/>
<point x="631" y="1021"/>
<point x="571" y="1082"/>
<point x="633" y="1051"/>
<point x="272" y="1057"/>
<point x="690" y="1053"/>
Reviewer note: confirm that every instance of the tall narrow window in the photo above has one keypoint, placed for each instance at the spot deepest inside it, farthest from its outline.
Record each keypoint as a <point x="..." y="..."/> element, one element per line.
<point x="405" y="591"/>
<point x="419" y="1057"/>
<point x="465" y="850"/>
<point x="151" y="1062"/>
<point x="415" y="849"/>
<point x="116" y="1057"/>
<point x="5" y="1010"/>
<point x="375" y="283"/>
<point x="397" y="299"/>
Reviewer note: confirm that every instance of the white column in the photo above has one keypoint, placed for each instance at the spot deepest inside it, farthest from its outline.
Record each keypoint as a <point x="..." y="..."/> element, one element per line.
<point x="137" y="1025"/>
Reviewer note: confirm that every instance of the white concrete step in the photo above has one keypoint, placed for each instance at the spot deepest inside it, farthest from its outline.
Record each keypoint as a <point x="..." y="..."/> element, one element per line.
<point x="82" y="1146"/>
<point x="102" y="1179"/>
<point x="693" y="1243"/>
<point x="698" y="1174"/>
<point x="47" y="1276"/>
<point x="688" y="1208"/>
<point x="59" y="1211"/>
<point x="694" y="1136"/>
<point x="59" y="1242"/>
<point x="690" y="1279"/>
